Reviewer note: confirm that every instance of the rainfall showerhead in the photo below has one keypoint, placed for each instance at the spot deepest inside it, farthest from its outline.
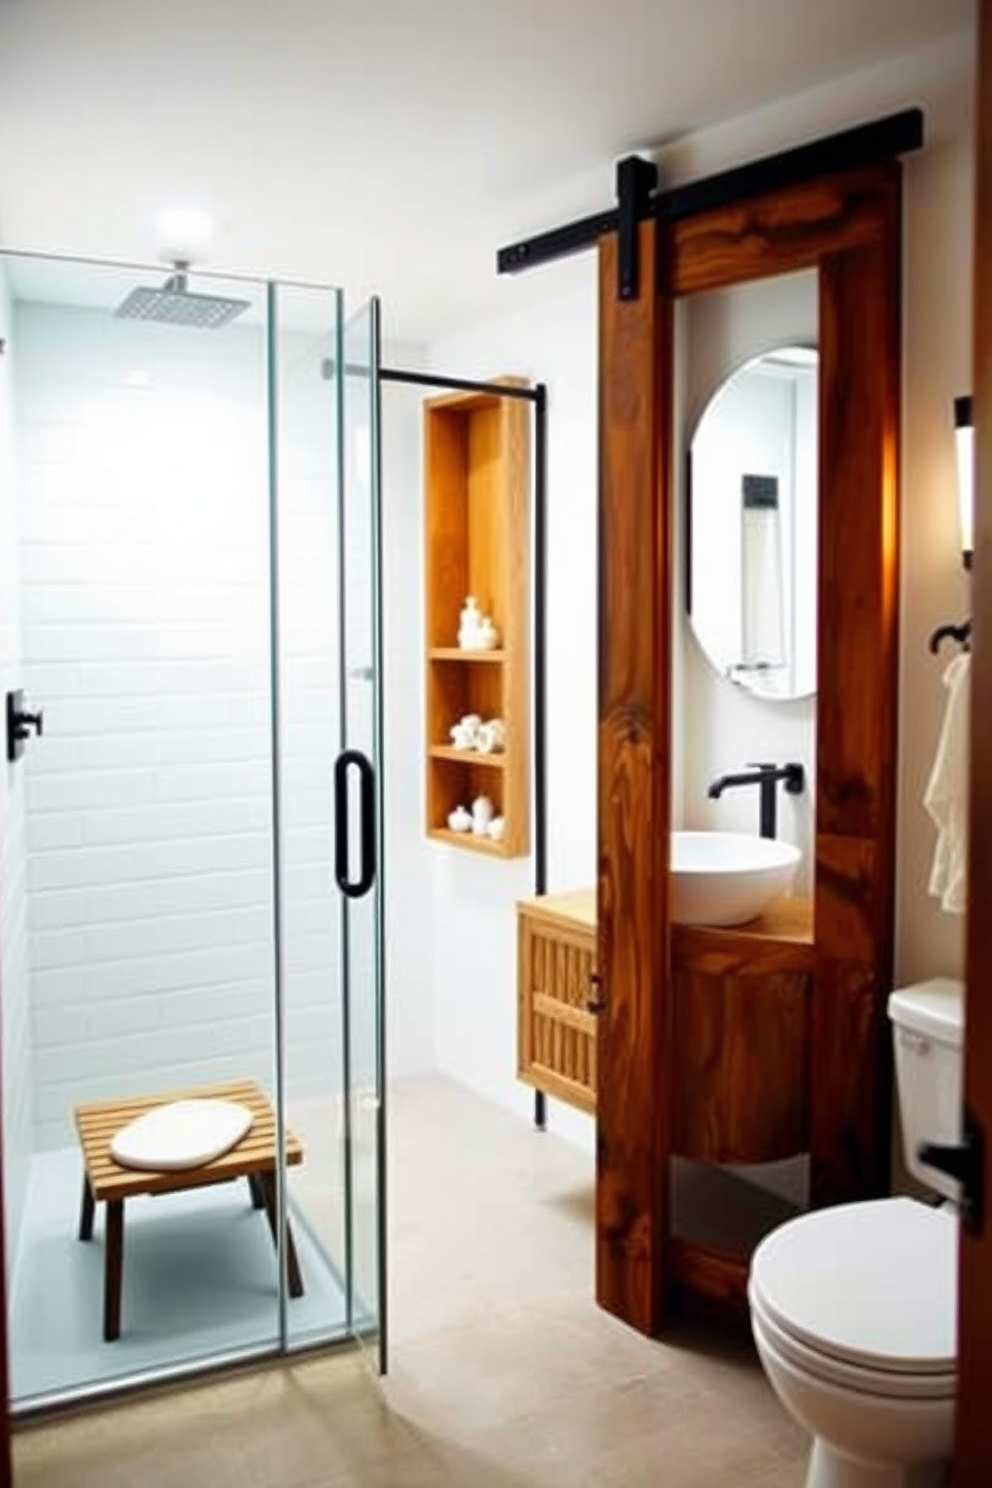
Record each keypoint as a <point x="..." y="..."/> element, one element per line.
<point x="176" y="304"/>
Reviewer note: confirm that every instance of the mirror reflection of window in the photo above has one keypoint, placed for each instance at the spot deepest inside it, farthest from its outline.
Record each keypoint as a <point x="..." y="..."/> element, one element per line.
<point x="762" y="635"/>
<point x="752" y="559"/>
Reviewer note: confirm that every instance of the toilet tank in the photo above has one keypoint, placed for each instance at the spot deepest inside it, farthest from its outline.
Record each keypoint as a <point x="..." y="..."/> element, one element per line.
<point x="928" y="1027"/>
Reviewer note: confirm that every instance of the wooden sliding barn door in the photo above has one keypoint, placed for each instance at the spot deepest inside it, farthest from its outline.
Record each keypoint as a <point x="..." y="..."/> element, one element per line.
<point x="634" y="793"/>
<point x="847" y="227"/>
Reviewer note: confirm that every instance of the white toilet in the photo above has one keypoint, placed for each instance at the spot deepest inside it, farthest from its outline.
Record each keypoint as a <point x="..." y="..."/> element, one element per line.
<point x="853" y="1308"/>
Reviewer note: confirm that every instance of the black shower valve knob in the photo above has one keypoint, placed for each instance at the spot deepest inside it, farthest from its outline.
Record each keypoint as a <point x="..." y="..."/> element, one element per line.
<point x="28" y="721"/>
<point x="20" y="723"/>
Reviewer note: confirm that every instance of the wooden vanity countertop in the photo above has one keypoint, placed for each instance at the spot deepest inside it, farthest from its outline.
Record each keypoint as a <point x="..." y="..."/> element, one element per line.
<point x="789" y="919"/>
<point x="575" y="909"/>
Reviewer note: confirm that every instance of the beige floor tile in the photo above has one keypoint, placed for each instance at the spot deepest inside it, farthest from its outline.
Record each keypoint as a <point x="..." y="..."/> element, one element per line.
<point x="504" y="1374"/>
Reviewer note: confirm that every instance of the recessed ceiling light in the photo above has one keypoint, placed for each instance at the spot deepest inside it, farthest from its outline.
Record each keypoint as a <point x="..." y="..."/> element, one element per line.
<point x="185" y="227"/>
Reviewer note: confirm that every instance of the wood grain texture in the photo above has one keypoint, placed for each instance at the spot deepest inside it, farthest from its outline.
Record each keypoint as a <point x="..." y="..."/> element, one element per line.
<point x="467" y="841"/>
<point x="515" y="462"/>
<point x="778" y="233"/>
<point x="97" y="1122"/>
<point x="973" y="1445"/>
<point x="781" y="940"/>
<point x="634" y="792"/>
<point x="477" y="541"/>
<point x="848" y="227"/>
<point x="574" y="909"/>
<point x="719" y="1277"/>
<point x="556" y="1031"/>
<point x="740" y="1082"/>
<point x="849" y="1098"/>
<point x="467" y="757"/>
<point x="856" y="712"/>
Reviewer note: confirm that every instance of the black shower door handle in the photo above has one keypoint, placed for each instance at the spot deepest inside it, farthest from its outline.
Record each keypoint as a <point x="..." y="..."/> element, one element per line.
<point x="348" y="758"/>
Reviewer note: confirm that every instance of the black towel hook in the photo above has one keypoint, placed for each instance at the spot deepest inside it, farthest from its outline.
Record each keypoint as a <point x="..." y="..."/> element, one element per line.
<point x="959" y="633"/>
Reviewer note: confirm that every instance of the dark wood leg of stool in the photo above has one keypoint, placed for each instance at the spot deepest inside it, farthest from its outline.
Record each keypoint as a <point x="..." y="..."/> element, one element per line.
<point x="113" y="1268"/>
<point x="257" y="1196"/>
<point x="267" y="1183"/>
<point x="87" y="1210"/>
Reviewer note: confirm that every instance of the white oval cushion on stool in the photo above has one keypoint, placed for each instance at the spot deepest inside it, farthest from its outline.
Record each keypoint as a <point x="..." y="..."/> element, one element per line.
<point x="182" y="1134"/>
<point x="870" y="1285"/>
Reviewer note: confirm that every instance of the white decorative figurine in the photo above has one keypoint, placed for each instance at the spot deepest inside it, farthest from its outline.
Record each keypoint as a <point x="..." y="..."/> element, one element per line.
<point x="488" y="640"/>
<point x="468" y="625"/>
<point x="482" y="815"/>
<point x="491" y="737"/>
<point x="471" y="733"/>
<point x="497" y="827"/>
<point x="476" y="632"/>
<point x="465" y="735"/>
<point x="459" y="820"/>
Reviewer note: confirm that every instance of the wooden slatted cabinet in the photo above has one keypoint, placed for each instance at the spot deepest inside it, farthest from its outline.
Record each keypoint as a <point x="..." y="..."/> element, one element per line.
<point x="556" y="1031"/>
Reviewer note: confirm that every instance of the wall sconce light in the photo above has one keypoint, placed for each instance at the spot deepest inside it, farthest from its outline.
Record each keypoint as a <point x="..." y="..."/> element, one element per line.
<point x="964" y="438"/>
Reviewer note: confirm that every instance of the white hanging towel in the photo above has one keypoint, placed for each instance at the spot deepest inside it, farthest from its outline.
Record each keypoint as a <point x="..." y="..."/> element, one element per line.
<point x="946" y="797"/>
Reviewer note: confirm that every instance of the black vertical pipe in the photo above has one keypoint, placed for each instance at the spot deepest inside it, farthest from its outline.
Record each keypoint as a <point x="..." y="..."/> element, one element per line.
<point x="540" y="669"/>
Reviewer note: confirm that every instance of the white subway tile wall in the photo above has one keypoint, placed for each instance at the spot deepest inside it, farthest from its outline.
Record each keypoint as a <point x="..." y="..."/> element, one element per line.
<point x="144" y="576"/>
<point x="15" y="1030"/>
<point x="139" y="563"/>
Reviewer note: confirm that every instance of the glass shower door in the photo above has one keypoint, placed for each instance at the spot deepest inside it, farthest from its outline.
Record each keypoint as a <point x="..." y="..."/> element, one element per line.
<point x="358" y="867"/>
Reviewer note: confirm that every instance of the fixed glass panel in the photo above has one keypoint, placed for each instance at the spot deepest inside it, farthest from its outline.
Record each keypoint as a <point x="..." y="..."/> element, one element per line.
<point x="307" y="450"/>
<point x="136" y="508"/>
<point x="358" y="820"/>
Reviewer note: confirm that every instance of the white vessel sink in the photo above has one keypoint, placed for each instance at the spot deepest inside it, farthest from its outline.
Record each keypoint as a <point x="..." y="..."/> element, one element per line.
<point x="727" y="878"/>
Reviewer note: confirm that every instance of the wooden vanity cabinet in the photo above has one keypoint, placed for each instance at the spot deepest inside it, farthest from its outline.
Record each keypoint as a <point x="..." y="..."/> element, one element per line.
<point x="556" y="1026"/>
<point x="739" y="1090"/>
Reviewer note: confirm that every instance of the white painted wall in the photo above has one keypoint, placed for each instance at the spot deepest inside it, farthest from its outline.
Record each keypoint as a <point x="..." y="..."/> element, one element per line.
<point x="144" y="583"/>
<point x="144" y="548"/>
<point x="410" y="948"/>
<point x="473" y="921"/>
<point x="15" y="1030"/>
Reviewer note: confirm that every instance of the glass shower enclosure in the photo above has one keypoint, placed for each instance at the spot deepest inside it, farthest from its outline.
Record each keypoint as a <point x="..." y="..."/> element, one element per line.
<point x="191" y="830"/>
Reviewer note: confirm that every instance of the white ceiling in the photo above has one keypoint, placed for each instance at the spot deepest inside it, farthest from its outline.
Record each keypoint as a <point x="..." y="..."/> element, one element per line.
<point x="387" y="145"/>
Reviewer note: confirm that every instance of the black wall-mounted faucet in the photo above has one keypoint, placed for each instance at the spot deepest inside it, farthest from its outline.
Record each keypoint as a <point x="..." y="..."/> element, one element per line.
<point x="767" y="776"/>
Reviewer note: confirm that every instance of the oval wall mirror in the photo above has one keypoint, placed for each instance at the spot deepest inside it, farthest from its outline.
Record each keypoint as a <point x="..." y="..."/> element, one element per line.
<point x="752" y="502"/>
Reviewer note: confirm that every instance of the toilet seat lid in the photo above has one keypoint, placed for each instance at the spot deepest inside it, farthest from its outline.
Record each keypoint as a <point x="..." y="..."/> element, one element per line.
<point x="874" y="1284"/>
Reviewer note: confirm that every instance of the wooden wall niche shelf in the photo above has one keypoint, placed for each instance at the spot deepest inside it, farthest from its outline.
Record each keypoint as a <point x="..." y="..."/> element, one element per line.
<point x="477" y="520"/>
<point x="826" y="999"/>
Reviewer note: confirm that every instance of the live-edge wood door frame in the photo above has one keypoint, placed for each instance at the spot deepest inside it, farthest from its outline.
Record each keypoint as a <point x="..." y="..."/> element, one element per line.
<point x="848" y="228"/>
<point x="634" y="773"/>
<point x="973" y="1445"/>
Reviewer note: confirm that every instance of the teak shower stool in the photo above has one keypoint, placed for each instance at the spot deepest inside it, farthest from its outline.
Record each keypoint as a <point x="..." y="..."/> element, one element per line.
<point x="254" y="1158"/>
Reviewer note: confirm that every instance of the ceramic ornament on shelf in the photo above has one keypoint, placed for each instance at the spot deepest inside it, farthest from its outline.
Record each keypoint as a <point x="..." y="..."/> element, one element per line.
<point x="460" y="820"/>
<point x="471" y="733"/>
<point x="482" y="815"/>
<point x="465" y="733"/>
<point x="476" y="631"/>
<point x="492" y="737"/>
<point x="497" y="828"/>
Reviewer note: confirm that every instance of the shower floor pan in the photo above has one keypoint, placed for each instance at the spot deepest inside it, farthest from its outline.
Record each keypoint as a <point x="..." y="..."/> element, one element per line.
<point x="106" y="1181"/>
